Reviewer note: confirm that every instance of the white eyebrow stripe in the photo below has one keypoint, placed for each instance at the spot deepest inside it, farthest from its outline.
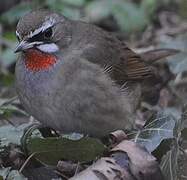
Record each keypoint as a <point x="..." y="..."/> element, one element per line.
<point x="48" y="23"/>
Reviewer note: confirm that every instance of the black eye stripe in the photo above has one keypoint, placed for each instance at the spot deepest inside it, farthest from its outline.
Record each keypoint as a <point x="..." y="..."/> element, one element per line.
<point x="39" y="37"/>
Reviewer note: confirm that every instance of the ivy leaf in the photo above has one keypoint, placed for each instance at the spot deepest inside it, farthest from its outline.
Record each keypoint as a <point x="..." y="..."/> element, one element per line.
<point x="129" y="16"/>
<point x="154" y="132"/>
<point x="7" y="173"/>
<point x="51" y="150"/>
<point x="7" y="110"/>
<point x="169" y="164"/>
<point x="10" y="134"/>
<point x="9" y="106"/>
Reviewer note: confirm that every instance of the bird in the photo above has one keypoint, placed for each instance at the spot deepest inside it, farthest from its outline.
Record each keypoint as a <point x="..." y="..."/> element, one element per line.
<point x="73" y="76"/>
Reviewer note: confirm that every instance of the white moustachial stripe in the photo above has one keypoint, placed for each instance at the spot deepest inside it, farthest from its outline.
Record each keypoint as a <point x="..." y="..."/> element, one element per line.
<point x="48" y="48"/>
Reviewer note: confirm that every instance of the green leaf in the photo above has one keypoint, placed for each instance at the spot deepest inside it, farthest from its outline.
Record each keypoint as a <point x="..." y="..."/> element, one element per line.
<point x="75" y="2"/>
<point x="8" y="57"/>
<point x="169" y="164"/>
<point x="8" y="106"/>
<point x="177" y="63"/>
<point x="129" y="17"/>
<point x="9" y="109"/>
<point x="95" y="11"/>
<point x="182" y="8"/>
<point x="149" y="6"/>
<point x="65" y="8"/>
<point x="51" y="150"/>
<point x="72" y="13"/>
<point x="7" y="173"/>
<point x="4" y="172"/>
<point x="3" y="101"/>
<point x="9" y="35"/>
<point x="6" y="79"/>
<point x="10" y="134"/>
<point x="16" y="12"/>
<point x="154" y="132"/>
<point x="57" y="5"/>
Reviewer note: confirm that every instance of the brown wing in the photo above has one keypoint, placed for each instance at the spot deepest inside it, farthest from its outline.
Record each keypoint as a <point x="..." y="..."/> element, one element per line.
<point x="104" y="49"/>
<point x="137" y="68"/>
<point x="131" y="66"/>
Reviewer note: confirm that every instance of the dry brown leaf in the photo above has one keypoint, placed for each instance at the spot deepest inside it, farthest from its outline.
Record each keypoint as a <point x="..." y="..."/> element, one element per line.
<point x="117" y="136"/>
<point x="128" y="161"/>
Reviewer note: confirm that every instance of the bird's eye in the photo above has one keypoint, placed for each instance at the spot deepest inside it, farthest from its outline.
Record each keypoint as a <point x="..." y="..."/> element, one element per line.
<point x="48" y="33"/>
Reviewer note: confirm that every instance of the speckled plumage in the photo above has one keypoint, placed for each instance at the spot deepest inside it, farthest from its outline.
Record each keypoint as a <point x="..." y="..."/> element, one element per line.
<point x="82" y="92"/>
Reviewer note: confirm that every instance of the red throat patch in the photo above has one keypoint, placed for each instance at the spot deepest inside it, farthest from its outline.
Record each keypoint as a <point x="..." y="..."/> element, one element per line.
<point x="36" y="60"/>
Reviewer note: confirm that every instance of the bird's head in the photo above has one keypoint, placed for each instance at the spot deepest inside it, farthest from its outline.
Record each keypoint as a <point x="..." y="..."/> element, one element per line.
<point x="41" y="34"/>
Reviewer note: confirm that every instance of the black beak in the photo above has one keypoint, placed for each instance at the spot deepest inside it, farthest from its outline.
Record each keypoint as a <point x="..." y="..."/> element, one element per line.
<point x="23" y="45"/>
<point x="20" y="47"/>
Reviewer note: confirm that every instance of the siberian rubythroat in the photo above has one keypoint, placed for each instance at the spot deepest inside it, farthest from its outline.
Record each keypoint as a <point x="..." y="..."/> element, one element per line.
<point x="73" y="76"/>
